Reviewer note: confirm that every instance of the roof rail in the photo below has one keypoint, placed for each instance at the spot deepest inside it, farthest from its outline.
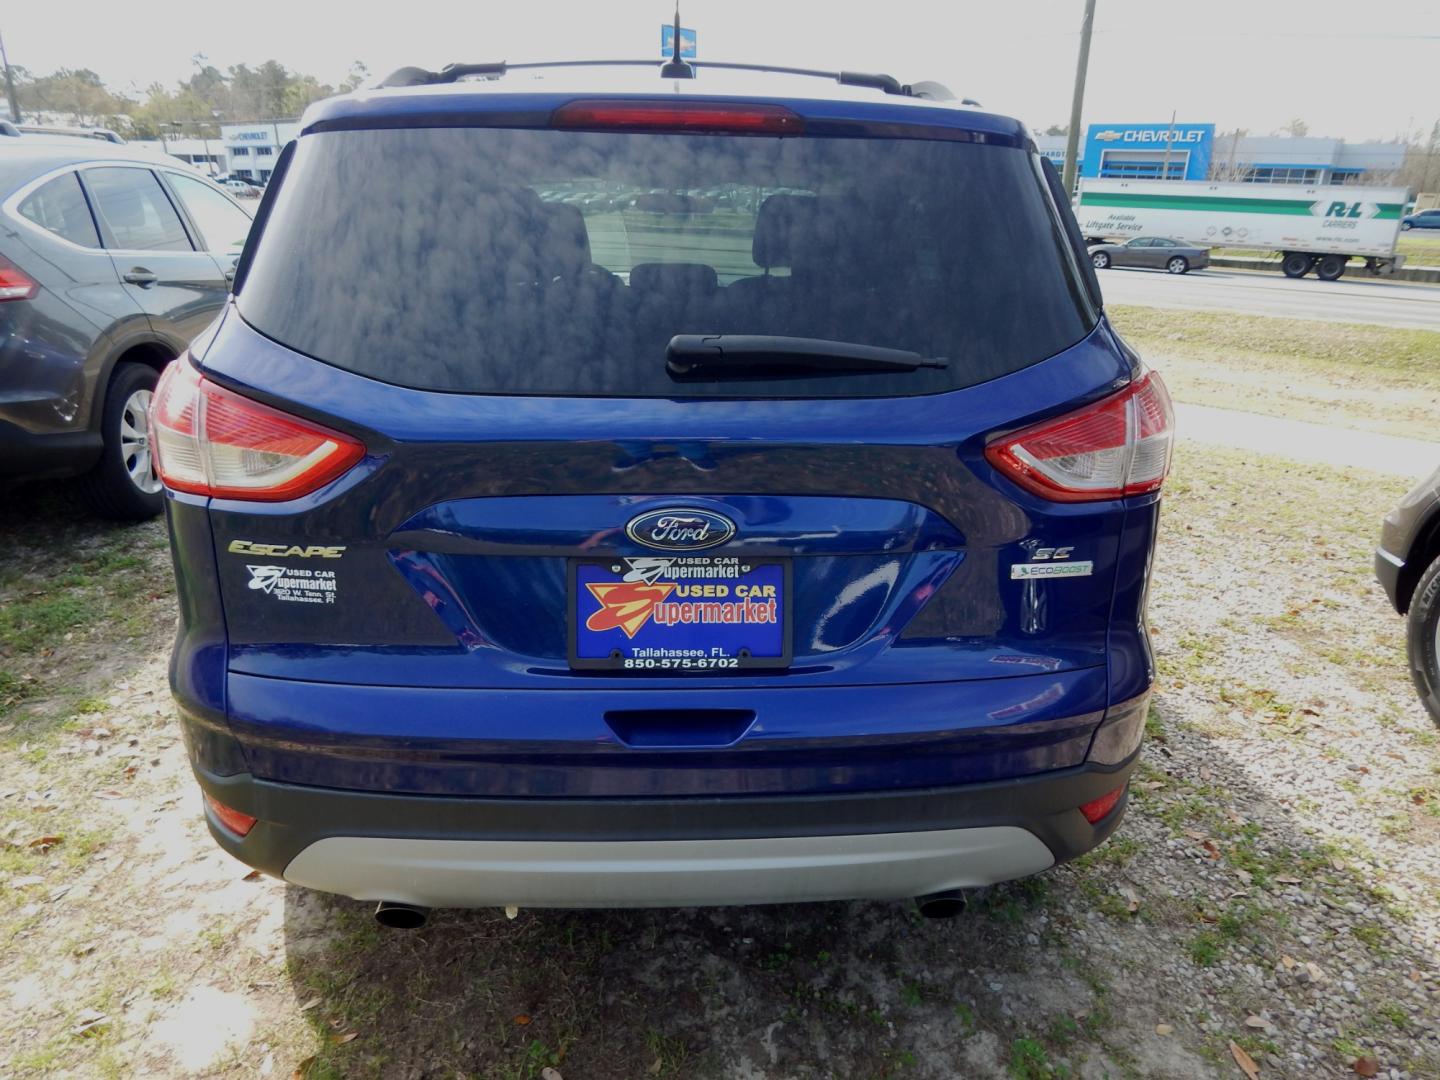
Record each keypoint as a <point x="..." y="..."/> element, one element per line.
<point x="104" y="134"/>
<point x="414" y="76"/>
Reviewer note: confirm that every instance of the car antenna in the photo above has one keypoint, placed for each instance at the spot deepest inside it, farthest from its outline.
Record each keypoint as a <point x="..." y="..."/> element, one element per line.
<point x="675" y="68"/>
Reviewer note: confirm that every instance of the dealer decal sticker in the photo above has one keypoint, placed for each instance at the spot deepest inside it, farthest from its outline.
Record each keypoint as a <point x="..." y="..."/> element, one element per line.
<point x="685" y="613"/>
<point x="293" y="584"/>
<point x="630" y="603"/>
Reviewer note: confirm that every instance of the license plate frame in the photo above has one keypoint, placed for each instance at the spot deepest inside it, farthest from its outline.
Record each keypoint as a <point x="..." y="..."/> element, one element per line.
<point x="688" y="636"/>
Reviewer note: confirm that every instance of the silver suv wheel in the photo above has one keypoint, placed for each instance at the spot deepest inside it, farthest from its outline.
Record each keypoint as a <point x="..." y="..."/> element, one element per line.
<point x="135" y="442"/>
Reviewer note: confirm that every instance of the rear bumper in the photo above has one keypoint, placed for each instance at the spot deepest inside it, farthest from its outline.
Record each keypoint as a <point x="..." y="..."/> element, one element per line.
<point x="459" y="852"/>
<point x="667" y="873"/>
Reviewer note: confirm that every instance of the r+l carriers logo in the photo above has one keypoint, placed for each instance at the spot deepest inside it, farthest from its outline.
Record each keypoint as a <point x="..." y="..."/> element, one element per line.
<point x="1340" y="209"/>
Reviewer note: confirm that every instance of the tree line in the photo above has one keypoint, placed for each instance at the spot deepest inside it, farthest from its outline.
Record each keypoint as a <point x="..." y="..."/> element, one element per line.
<point x="194" y="106"/>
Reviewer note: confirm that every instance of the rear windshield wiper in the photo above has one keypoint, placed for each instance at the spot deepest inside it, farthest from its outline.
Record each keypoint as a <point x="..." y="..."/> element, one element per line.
<point x="708" y="356"/>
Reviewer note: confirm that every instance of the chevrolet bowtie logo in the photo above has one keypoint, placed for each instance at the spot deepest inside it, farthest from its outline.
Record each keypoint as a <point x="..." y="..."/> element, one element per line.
<point x="1107" y="136"/>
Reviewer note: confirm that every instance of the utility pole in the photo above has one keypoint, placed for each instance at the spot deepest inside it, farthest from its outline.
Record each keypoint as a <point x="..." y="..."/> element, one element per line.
<point x="9" y="84"/>
<point x="1072" y="141"/>
<point x="1169" y="138"/>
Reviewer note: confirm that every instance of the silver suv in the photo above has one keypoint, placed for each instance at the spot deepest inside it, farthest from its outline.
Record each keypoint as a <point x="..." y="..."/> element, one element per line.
<point x="111" y="260"/>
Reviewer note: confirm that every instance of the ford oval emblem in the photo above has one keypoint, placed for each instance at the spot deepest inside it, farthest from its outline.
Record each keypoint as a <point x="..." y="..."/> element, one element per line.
<point x="682" y="528"/>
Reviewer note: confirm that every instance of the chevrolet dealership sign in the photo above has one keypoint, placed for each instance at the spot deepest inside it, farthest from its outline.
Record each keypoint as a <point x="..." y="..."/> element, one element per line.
<point x="1189" y="146"/>
<point x="1151" y="135"/>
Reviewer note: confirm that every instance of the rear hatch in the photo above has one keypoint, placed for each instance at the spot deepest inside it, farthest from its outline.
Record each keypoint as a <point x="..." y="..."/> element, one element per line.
<point x="562" y="564"/>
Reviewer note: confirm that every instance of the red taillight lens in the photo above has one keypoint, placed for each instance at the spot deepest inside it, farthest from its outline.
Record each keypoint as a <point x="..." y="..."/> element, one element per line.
<point x="211" y="441"/>
<point x="1118" y="446"/>
<point x="15" y="284"/>
<point x="672" y="116"/>
<point x="1096" y="809"/>
<point x="238" y="823"/>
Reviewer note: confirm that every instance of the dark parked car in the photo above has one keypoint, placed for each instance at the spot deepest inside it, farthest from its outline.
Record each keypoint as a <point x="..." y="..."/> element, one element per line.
<point x="1422" y="219"/>
<point x="799" y="559"/>
<point x="1407" y="562"/>
<point x="1155" y="252"/>
<point x="111" y="261"/>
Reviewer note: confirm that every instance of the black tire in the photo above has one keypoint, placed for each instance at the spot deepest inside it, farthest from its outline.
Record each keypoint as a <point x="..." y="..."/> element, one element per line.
<point x="1422" y="644"/>
<point x="1100" y="260"/>
<point x="1331" y="267"/>
<point x="1178" y="265"/>
<point x="109" y="487"/>
<point x="1296" y="264"/>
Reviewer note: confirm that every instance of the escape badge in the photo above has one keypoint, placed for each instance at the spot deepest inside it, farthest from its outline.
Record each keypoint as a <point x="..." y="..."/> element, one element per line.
<point x="286" y="551"/>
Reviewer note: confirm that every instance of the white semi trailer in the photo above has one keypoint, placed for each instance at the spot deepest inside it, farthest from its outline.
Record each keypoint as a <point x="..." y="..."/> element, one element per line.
<point x="1313" y="228"/>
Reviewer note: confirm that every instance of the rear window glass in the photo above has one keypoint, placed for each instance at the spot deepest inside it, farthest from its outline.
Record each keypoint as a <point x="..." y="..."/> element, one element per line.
<point x="136" y="210"/>
<point x="560" y="262"/>
<point x="59" y="206"/>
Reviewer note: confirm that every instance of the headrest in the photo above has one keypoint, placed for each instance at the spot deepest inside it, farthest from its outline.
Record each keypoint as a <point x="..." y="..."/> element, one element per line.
<point x="688" y="279"/>
<point x="565" y="250"/>
<point x="780" y="217"/>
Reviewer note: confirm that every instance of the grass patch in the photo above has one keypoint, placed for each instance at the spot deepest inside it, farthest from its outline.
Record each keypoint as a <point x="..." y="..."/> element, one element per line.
<point x="1012" y="902"/>
<point x="1029" y="1060"/>
<point x="1421" y="247"/>
<point x="670" y="1053"/>
<point x="28" y="624"/>
<point x="1373" y="378"/>
<point x="1204" y="949"/>
<point x="74" y="592"/>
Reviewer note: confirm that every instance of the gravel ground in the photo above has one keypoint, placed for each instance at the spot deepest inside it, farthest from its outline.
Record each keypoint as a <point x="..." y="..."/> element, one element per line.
<point x="1273" y="896"/>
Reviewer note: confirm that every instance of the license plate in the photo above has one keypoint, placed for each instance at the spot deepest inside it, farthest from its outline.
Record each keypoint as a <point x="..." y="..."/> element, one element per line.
<point x="664" y="614"/>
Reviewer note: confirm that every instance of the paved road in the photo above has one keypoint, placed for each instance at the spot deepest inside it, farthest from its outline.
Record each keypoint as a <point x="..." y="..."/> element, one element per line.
<point x="1348" y="300"/>
<point x="1304" y="441"/>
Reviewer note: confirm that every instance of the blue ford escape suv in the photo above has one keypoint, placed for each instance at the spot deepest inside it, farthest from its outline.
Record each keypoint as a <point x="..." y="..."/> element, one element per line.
<point x="645" y="491"/>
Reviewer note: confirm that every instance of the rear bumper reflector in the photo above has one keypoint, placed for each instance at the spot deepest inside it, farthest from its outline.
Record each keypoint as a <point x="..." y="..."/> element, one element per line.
<point x="1097" y="809"/>
<point x="237" y="822"/>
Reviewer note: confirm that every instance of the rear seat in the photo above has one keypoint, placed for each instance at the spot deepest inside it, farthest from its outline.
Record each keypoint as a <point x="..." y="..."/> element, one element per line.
<point x="673" y="298"/>
<point x="779" y="220"/>
<point x="587" y="311"/>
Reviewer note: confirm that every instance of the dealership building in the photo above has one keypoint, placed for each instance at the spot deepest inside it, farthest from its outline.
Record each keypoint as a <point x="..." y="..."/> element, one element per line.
<point x="248" y="151"/>
<point x="251" y="150"/>
<point x="206" y="155"/>
<point x="1194" y="152"/>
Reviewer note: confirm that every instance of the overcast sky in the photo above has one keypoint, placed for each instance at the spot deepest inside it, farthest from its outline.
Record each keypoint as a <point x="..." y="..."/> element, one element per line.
<point x="1350" y="69"/>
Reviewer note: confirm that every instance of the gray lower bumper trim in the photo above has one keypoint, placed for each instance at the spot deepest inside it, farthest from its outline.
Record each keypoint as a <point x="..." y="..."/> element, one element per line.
<point x="667" y="873"/>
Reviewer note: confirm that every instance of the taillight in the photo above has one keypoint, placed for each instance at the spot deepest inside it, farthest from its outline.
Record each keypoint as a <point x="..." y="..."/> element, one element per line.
<point x="211" y="441"/>
<point x="15" y="284"/>
<point x="696" y="116"/>
<point x="1117" y="446"/>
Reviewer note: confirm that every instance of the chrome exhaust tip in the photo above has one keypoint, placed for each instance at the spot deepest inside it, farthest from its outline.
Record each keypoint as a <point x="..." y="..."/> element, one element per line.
<point x="942" y="905"/>
<point x="397" y="916"/>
